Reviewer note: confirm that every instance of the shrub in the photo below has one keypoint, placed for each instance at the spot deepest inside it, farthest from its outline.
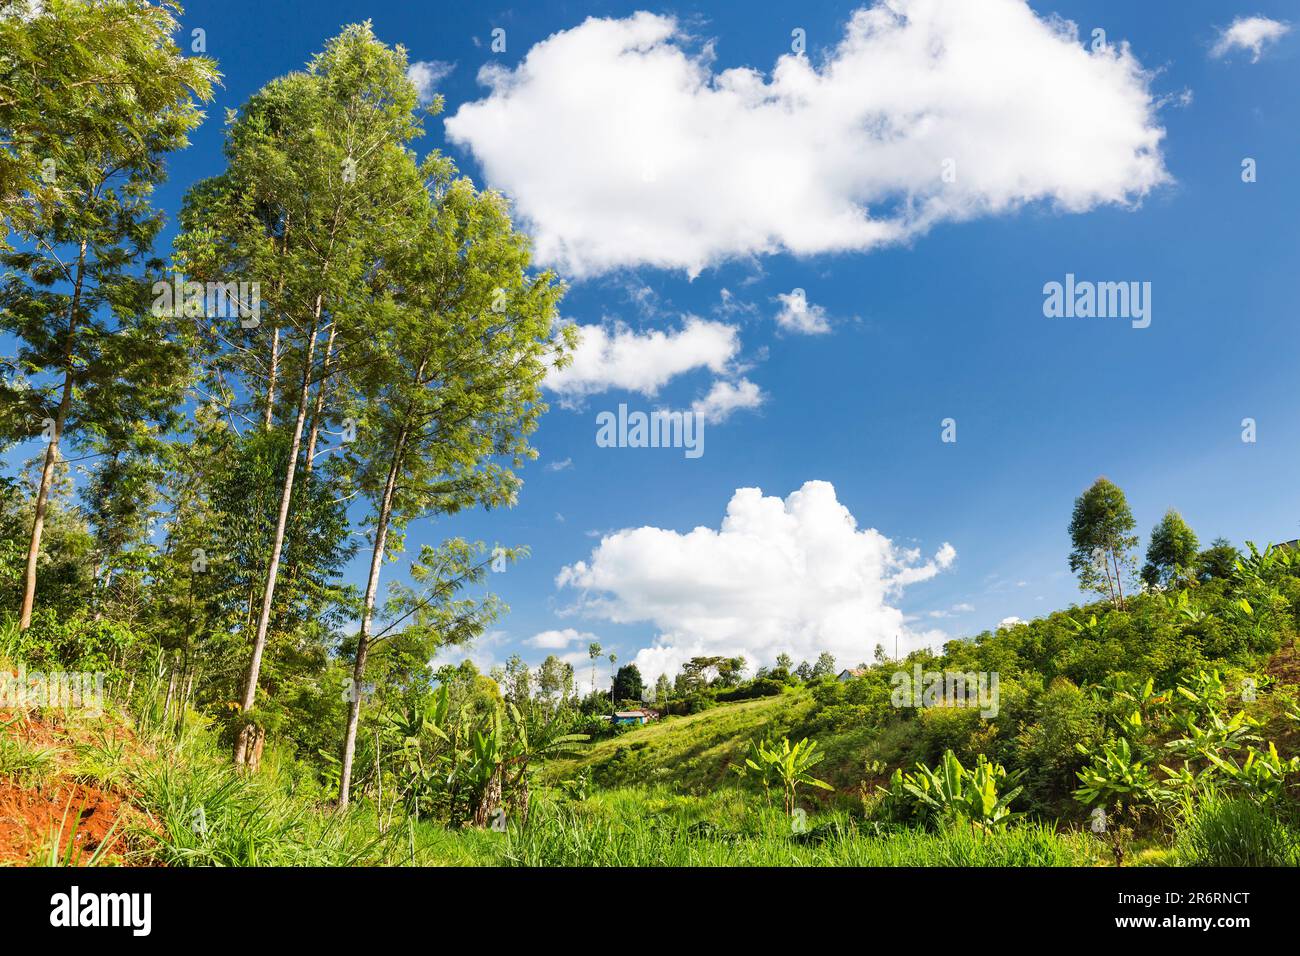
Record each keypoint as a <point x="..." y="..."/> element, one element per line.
<point x="959" y="729"/>
<point x="1047" y="748"/>
<point x="759" y="687"/>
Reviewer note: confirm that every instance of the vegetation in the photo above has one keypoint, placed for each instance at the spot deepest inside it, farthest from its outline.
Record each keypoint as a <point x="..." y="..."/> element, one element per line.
<point x="347" y="342"/>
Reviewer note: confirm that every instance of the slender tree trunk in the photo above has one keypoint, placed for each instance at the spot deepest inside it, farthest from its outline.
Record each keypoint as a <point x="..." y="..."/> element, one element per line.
<point x="367" y="614"/>
<point x="271" y="377"/>
<point x="1110" y="584"/>
<point x="379" y="779"/>
<point x="171" y="689"/>
<point x="1118" y="583"/>
<point x="274" y="371"/>
<point x="320" y="399"/>
<point x="52" y="450"/>
<point x="282" y="520"/>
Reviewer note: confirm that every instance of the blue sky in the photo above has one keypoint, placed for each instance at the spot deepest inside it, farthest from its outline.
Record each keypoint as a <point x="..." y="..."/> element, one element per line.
<point x="945" y="321"/>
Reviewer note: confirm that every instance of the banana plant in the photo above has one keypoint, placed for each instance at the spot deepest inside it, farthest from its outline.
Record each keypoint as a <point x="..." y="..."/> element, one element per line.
<point x="1182" y="605"/>
<point x="955" y="793"/>
<point x="1115" y="775"/>
<point x="787" y="764"/>
<point x="1092" y="629"/>
<point x="485" y="769"/>
<point x="1261" y="567"/>
<point x="409" y="728"/>
<point x="1214" y="736"/>
<point x="546" y="739"/>
<point x="1262" y="775"/>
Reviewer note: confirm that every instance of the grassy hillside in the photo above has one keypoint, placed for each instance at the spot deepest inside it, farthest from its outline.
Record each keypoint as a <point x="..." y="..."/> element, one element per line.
<point x="692" y="752"/>
<point x="1176" y="717"/>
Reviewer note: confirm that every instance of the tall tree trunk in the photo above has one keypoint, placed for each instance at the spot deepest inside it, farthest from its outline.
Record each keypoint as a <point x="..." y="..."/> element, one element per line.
<point x="320" y="399"/>
<point x="272" y="373"/>
<point x="171" y="689"/>
<point x="1110" y="585"/>
<point x="379" y="780"/>
<point x="363" y="635"/>
<point x="1118" y="584"/>
<point x="52" y="450"/>
<point x="282" y="520"/>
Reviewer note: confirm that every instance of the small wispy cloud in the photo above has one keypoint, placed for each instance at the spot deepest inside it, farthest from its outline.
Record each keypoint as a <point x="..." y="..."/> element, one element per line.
<point x="426" y="75"/>
<point x="962" y="608"/>
<point x="1249" y="33"/>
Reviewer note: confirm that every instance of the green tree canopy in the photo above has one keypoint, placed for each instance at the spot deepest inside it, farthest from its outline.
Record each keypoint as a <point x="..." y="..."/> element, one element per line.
<point x="1172" y="550"/>
<point x="1101" y="533"/>
<point x="97" y="95"/>
<point x="628" y="684"/>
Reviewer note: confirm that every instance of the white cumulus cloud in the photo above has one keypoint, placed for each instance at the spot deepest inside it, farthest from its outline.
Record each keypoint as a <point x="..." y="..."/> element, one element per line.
<point x="640" y="153"/>
<point x="799" y="315"/>
<point x="1249" y="33"/>
<point x="794" y="575"/>
<point x="727" y="397"/>
<point x="616" y="356"/>
<point x="556" y="639"/>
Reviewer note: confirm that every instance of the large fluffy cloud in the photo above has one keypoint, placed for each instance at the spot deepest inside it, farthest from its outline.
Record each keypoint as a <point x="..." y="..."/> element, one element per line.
<point x="794" y="575"/>
<point x="623" y="147"/>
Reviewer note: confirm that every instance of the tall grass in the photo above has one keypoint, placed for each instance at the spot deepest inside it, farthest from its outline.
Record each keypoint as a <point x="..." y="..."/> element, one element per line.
<point x="1233" y="831"/>
<point x="638" y="834"/>
<point x="22" y="762"/>
<point x="205" y="813"/>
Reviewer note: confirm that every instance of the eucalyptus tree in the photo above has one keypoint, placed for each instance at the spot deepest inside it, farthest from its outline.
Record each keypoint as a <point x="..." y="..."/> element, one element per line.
<point x="1101" y="535"/>
<point x="455" y="368"/>
<point x="114" y="98"/>
<point x="69" y="71"/>
<point x="593" y="651"/>
<point x="318" y="174"/>
<point x="1172" y="552"/>
<point x="121" y="499"/>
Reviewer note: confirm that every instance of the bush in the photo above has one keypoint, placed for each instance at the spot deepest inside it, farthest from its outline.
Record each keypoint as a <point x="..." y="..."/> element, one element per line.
<point x="69" y="642"/>
<point x="1065" y="717"/>
<point x="759" y="687"/>
<point x="959" y="729"/>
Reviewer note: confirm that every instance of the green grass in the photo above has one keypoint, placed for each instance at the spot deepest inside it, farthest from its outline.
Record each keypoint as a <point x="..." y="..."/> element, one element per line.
<point x="24" y="763"/>
<point x="102" y="762"/>
<point x="1222" y="831"/>
<point x="199" y="811"/>
<point x="654" y="828"/>
<point x="204" y="813"/>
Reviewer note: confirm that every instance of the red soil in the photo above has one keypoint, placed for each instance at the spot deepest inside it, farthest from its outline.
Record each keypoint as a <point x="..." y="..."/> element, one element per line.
<point x="83" y="815"/>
